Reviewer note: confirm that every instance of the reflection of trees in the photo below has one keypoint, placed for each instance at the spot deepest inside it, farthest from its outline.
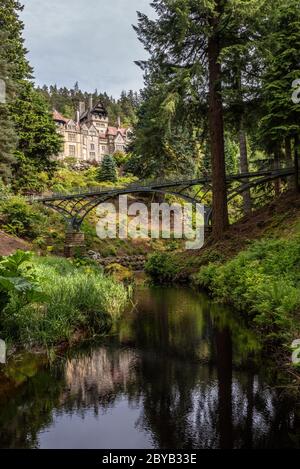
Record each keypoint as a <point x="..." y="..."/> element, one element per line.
<point x="224" y="367"/>
<point x="188" y="371"/>
<point x="188" y="404"/>
<point x="171" y="323"/>
<point x="29" y="410"/>
<point x="99" y="377"/>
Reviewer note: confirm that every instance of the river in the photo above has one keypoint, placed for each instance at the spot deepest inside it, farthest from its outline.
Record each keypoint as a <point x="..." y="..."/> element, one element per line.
<point x="177" y="372"/>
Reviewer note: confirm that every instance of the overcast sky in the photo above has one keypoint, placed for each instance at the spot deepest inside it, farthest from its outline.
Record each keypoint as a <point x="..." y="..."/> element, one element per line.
<point x="89" y="41"/>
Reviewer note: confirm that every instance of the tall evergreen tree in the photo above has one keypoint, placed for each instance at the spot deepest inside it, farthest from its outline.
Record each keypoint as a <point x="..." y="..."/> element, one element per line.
<point x="29" y="112"/>
<point x="13" y="42"/>
<point x="165" y="141"/>
<point x="192" y="35"/>
<point x="38" y="139"/>
<point x="108" y="170"/>
<point x="280" y="124"/>
<point x="8" y="139"/>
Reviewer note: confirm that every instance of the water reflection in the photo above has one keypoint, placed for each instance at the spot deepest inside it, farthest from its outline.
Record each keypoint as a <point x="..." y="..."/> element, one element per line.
<point x="178" y="372"/>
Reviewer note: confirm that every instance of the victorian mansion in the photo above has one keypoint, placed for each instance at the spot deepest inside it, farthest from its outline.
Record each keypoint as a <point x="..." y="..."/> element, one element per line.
<point x="89" y="137"/>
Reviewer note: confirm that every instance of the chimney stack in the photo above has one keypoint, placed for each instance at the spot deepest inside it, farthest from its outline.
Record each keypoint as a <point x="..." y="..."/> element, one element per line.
<point x="119" y="122"/>
<point x="77" y="117"/>
<point x="81" y="108"/>
<point x="91" y="102"/>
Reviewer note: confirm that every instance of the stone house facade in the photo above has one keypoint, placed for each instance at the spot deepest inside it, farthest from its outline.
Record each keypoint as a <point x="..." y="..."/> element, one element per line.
<point x="89" y="137"/>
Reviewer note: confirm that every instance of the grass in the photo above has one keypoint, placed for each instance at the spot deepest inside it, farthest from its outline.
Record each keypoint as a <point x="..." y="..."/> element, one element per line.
<point x="77" y="299"/>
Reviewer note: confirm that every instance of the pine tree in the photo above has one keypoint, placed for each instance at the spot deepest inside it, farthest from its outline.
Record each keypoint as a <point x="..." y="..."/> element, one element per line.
<point x="38" y="140"/>
<point x="13" y="44"/>
<point x="108" y="170"/>
<point x="8" y="139"/>
<point x="194" y="35"/>
<point x="280" y="124"/>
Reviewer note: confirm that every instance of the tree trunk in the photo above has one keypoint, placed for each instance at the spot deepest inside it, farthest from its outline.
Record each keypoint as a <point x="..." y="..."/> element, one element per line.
<point x="288" y="152"/>
<point x="296" y="164"/>
<point x="216" y="124"/>
<point x="289" y="159"/>
<point x="244" y="166"/>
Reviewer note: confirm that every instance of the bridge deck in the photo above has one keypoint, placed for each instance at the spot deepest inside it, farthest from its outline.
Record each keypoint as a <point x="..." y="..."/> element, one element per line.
<point x="150" y="186"/>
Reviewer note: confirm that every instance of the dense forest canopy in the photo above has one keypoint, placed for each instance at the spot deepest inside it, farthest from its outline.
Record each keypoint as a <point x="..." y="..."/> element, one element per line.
<point x="66" y="101"/>
<point x="223" y="70"/>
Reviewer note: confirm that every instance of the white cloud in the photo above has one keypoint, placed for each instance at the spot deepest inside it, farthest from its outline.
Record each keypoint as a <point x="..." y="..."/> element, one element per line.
<point x="89" y="41"/>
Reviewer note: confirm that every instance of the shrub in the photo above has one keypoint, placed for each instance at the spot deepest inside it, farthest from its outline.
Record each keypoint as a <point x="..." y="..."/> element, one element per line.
<point x="120" y="273"/>
<point x="263" y="280"/>
<point x="18" y="280"/>
<point x="77" y="298"/>
<point x="121" y="158"/>
<point x="162" y="268"/>
<point x="20" y="218"/>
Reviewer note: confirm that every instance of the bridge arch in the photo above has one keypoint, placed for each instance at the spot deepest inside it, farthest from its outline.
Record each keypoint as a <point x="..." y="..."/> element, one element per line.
<point x="94" y="203"/>
<point x="75" y="207"/>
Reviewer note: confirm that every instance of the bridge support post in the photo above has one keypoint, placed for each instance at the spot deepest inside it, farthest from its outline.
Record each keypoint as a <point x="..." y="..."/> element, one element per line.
<point x="74" y="241"/>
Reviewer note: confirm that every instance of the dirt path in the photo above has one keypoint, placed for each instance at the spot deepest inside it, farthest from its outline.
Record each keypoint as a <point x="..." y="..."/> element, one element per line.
<point x="9" y="244"/>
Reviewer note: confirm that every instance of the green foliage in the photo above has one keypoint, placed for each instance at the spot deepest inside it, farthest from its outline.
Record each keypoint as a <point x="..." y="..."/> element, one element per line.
<point x="263" y="281"/>
<point x="120" y="273"/>
<point x="77" y="298"/>
<point x="231" y="155"/>
<point x="5" y="190"/>
<point x="66" y="101"/>
<point x="20" y="218"/>
<point x="8" y="138"/>
<point x="28" y="137"/>
<point x="165" y="143"/>
<point x="108" y="170"/>
<point x="280" y="117"/>
<point x="121" y="158"/>
<point x="18" y="280"/>
<point x="38" y="140"/>
<point x="13" y="45"/>
<point x="162" y="268"/>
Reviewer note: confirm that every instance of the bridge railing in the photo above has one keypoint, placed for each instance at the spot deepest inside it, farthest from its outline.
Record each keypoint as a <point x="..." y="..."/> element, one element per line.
<point x="160" y="182"/>
<point x="105" y="189"/>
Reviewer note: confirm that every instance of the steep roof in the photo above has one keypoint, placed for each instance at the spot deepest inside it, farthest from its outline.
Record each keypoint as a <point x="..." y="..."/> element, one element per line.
<point x="115" y="130"/>
<point x="98" y="109"/>
<point x="57" y="116"/>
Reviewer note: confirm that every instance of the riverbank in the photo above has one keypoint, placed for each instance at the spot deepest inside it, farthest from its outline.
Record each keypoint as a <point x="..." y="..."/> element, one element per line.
<point x="255" y="268"/>
<point x="49" y="301"/>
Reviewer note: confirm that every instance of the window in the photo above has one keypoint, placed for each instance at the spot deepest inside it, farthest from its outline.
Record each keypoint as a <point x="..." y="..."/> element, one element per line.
<point x="93" y="134"/>
<point x="72" y="150"/>
<point x="92" y="154"/>
<point x="104" y="147"/>
<point x="92" y="146"/>
<point x="72" y="137"/>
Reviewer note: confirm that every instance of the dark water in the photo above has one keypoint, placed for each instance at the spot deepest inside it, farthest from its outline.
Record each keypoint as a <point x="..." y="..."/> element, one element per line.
<point x="179" y="372"/>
